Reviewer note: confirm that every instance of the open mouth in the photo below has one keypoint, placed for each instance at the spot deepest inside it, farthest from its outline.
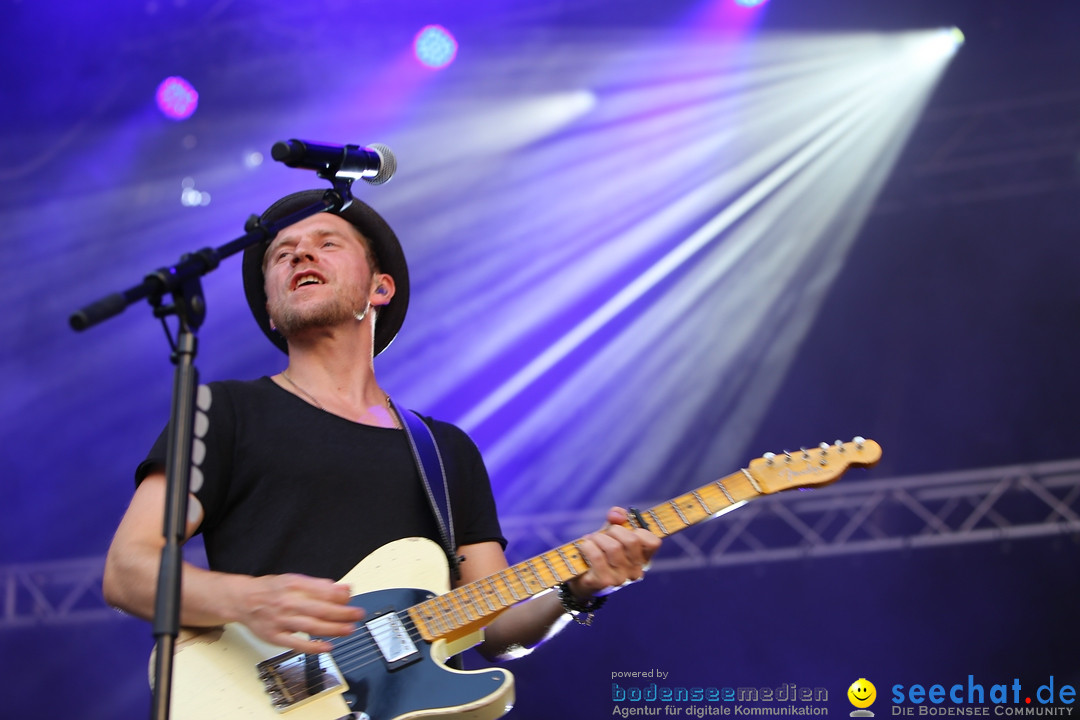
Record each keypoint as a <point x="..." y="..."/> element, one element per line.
<point x="306" y="279"/>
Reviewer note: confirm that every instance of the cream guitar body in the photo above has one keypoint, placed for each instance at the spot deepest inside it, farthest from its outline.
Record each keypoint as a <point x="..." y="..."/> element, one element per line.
<point x="216" y="673"/>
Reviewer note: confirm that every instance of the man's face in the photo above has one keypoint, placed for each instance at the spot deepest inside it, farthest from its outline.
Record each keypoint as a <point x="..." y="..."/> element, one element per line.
<point x="317" y="274"/>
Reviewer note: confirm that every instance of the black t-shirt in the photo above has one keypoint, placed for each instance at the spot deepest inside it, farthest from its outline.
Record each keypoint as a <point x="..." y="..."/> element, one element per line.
<point x="288" y="487"/>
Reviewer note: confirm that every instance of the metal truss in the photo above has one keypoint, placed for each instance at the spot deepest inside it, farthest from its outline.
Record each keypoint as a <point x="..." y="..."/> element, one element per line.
<point x="53" y="592"/>
<point x="63" y="591"/>
<point x="988" y="151"/>
<point x="992" y="505"/>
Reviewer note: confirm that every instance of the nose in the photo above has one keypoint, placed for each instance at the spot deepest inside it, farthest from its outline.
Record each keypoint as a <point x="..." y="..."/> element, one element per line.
<point x="304" y="250"/>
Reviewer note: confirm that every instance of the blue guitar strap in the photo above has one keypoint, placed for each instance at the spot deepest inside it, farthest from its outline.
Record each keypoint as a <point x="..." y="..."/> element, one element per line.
<point x="429" y="463"/>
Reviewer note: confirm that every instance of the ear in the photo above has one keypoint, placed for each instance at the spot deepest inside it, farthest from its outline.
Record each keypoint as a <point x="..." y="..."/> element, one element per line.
<point x="273" y="327"/>
<point x="382" y="289"/>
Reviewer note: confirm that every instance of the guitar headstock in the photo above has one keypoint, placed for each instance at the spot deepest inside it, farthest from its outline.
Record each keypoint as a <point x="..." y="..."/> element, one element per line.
<point x="814" y="466"/>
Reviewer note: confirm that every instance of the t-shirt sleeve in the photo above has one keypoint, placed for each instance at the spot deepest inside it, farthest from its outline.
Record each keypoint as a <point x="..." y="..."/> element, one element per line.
<point x="212" y="461"/>
<point x="155" y="459"/>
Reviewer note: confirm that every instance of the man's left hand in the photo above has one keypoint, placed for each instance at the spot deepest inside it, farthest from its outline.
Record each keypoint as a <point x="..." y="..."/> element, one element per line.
<point x="616" y="555"/>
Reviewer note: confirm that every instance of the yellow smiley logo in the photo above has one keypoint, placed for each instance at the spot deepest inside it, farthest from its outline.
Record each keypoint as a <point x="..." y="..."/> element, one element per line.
<point x="862" y="693"/>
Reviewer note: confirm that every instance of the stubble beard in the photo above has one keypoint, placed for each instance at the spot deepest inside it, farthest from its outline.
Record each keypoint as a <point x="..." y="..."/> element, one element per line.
<point x="291" y="319"/>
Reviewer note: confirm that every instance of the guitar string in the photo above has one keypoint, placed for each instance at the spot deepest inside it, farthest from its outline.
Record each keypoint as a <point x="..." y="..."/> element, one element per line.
<point x="357" y="651"/>
<point x="470" y="596"/>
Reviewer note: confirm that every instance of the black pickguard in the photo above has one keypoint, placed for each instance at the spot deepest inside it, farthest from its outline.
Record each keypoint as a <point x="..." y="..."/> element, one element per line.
<point x="385" y="692"/>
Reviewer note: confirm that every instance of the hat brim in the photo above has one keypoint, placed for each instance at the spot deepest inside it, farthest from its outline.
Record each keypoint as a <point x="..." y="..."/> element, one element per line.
<point x="384" y="243"/>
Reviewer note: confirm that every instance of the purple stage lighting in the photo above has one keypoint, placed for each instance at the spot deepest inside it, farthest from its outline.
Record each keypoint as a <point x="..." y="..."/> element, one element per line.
<point x="750" y="3"/>
<point x="176" y="98"/>
<point x="435" y="47"/>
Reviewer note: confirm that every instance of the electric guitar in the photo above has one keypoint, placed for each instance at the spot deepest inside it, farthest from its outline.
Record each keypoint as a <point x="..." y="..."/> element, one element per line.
<point x="393" y="666"/>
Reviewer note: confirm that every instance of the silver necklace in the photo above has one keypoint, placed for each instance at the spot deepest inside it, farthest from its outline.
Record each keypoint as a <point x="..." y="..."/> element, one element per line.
<point x="314" y="400"/>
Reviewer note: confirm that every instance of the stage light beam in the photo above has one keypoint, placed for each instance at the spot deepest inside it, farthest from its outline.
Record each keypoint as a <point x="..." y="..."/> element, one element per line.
<point x="941" y="44"/>
<point x="658" y="259"/>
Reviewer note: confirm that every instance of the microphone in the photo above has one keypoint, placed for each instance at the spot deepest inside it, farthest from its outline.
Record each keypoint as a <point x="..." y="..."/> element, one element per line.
<point x="374" y="164"/>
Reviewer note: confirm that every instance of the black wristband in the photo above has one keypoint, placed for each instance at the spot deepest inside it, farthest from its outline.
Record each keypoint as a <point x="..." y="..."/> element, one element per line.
<point x="582" y="612"/>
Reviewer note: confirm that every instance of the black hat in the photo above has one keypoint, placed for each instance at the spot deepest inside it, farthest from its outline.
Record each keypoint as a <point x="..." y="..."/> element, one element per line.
<point x="384" y="244"/>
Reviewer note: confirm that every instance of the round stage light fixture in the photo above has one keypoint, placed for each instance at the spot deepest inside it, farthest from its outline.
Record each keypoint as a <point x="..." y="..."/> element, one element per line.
<point x="435" y="47"/>
<point x="177" y="98"/>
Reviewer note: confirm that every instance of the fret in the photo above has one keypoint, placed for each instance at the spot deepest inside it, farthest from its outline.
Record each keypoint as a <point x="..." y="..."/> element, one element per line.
<point x="577" y="546"/>
<point x="697" y="496"/>
<point x="486" y="596"/>
<point x="468" y="602"/>
<point x="495" y="589"/>
<point x="720" y="484"/>
<point x="566" y="560"/>
<point x="550" y="567"/>
<point x="539" y="578"/>
<point x="679" y="512"/>
<point x="438" y="616"/>
<point x="517" y="572"/>
<point x="753" y="482"/>
<point x="659" y="522"/>
<point x="462" y="609"/>
<point x="459" y="614"/>
<point x="509" y="586"/>
<point x="451" y="612"/>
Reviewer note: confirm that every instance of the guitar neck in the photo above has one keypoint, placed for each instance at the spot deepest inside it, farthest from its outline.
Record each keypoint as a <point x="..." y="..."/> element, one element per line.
<point x="469" y="607"/>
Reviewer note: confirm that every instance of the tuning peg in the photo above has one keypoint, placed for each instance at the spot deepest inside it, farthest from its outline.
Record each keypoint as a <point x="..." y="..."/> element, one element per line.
<point x="787" y="456"/>
<point x="839" y="445"/>
<point x="859" y="441"/>
<point x="805" y="453"/>
<point x="769" y="457"/>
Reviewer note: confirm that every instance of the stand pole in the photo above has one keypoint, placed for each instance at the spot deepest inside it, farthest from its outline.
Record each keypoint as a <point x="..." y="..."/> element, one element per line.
<point x="178" y="473"/>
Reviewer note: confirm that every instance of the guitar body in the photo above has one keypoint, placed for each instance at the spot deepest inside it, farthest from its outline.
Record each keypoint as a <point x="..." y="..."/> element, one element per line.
<point x="216" y="672"/>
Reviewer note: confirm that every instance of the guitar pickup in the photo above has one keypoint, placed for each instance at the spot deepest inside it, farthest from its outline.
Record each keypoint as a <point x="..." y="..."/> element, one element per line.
<point x="293" y="679"/>
<point x="393" y="641"/>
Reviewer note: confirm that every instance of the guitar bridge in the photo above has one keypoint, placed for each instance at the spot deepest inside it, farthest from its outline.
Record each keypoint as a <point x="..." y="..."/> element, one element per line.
<point x="293" y="679"/>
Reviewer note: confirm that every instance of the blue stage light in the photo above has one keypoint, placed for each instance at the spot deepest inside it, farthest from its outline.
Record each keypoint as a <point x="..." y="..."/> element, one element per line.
<point x="750" y="3"/>
<point x="435" y="47"/>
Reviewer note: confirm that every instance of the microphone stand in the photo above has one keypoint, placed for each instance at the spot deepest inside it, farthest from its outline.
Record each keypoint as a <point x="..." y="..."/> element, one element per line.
<point x="182" y="281"/>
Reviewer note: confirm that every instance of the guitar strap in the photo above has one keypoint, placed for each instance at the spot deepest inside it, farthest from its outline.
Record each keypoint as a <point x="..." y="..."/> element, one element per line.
<point x="429" y="463"/>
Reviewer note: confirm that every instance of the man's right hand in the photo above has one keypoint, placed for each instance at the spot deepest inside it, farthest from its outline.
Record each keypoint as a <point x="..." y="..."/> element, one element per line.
<point x="281" y="608"/>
